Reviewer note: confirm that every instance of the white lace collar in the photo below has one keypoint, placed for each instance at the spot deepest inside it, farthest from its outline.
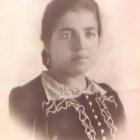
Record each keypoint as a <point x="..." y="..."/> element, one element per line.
<point x="56" y="91"/>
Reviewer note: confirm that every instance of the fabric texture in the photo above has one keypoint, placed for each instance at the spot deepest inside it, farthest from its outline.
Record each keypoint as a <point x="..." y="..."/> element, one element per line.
<point x="52" y="111"/>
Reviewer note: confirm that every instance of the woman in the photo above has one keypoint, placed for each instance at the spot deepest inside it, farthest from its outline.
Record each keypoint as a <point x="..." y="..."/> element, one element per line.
<point x="63" y="103"/>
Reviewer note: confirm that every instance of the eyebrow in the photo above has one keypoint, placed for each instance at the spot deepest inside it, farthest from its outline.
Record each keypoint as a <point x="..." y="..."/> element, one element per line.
<point x="89" y="28"/>
<point x="66" y="29"/>
<point x="70" y="29"/>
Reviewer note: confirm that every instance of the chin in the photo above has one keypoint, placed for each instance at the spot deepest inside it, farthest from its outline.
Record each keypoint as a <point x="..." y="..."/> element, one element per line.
<point x="79" y="71"/>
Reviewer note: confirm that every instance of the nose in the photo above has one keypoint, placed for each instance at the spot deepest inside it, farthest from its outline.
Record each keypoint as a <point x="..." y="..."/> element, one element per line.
<point x="80" y="42"/>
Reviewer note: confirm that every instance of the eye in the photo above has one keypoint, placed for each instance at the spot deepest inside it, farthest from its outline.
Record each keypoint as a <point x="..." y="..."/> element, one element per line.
<point x="90" y="34"/>
<point x="66" y="35"/>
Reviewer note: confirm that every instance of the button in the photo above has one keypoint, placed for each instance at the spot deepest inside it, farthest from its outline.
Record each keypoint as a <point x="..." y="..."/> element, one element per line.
<point x="93" y="110"/>
<point x="103" y="138"/>
<point x="102" y="131"/>
<point x="90" y="103"/>
<point x="87" y="97"/>
<point x="99" y="123"/>
<point x="96" y="117"/>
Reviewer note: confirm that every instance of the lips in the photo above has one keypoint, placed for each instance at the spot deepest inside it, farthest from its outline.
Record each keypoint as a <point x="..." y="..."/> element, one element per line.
<point x="80" y="57"/>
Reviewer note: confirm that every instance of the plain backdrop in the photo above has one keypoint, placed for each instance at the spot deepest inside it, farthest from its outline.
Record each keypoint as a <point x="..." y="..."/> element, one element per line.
<point x="118" y="63"/>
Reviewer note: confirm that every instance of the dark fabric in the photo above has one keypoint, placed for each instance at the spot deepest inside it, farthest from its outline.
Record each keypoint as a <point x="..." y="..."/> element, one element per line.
<point x="25" y="106"/>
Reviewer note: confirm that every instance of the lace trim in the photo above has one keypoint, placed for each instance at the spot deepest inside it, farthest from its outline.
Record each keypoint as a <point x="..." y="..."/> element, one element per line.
<point x="53" y="107"/>
<point x="57" y="91"/>
<point x="106" y="114"/>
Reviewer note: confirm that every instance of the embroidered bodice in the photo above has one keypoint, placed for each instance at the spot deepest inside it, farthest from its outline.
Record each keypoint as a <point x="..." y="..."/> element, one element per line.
<point x="71" y="114"/>
<point x="53" y="111"/>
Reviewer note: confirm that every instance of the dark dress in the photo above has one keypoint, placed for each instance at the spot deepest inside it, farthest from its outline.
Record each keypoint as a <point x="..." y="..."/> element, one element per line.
<point x="93" y="115"/>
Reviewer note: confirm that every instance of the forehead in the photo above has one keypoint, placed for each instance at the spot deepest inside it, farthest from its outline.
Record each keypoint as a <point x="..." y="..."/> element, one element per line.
<point x="77" y="20"/>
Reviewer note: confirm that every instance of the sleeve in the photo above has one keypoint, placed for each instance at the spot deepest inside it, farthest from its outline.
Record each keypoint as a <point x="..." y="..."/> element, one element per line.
<point x="115" y="107"/>
<point x="20" y="109"/>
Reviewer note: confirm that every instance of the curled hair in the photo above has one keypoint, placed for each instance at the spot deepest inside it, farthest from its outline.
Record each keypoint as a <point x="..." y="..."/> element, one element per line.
<point x="57" y="8"/>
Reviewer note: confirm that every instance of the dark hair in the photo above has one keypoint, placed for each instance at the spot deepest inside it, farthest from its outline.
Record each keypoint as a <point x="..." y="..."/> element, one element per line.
<point x="57" y="8"/>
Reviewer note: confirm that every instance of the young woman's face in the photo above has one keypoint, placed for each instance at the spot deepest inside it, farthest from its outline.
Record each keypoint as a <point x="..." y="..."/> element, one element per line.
<point x="74" y="43"/>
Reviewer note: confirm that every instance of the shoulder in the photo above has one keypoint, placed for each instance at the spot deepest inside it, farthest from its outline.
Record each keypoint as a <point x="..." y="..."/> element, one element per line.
<point x="106" y="87"/>
<point x="111" y="95"/>
<point x="29" y="90"/>
<point x="26" y="97"/>
<point x="111" y="92"/>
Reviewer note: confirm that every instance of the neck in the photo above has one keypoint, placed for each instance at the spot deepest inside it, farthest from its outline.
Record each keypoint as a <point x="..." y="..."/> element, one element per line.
<point x="78" y="81"/>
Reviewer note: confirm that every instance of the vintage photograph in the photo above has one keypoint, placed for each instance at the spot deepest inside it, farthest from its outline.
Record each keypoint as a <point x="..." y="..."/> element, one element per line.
<point x="70" y="69"/>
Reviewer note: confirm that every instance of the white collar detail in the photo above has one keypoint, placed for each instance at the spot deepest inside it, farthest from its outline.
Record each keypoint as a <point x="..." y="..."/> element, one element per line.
<point x="56" y="91"/>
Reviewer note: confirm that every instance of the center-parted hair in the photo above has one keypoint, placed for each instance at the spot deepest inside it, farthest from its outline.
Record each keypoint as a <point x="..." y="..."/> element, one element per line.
<point x="57" y="8"/>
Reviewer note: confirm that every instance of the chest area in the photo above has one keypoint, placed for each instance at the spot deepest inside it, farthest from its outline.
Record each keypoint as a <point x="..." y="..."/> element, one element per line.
<point x="88" y="116"/>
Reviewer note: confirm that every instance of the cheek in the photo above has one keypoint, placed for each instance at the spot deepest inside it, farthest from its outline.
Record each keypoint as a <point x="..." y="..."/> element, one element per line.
<point x="65" y="46"/>
<point x="93" y="50"/>
<point x="60" y="52"/>
<point x="94" y="46"/>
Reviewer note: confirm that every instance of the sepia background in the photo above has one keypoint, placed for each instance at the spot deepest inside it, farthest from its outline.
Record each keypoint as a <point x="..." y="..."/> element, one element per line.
<point x="118" y="63"/>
